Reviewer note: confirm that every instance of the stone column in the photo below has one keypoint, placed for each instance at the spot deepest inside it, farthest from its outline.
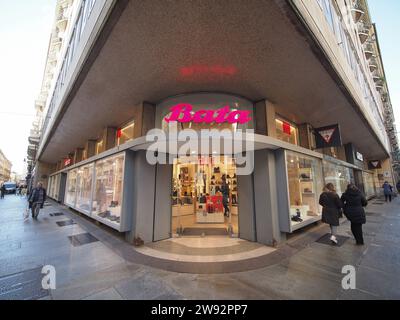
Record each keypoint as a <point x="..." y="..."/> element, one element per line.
<point x="266" y="199"/>
<point x="306" y="138"/>
<point x="144" y="118"/>
<point x="109" y="138"/>
<point x="143" y="196"/>
<point x="264" y="114"/>
<point x="78" y="155"/>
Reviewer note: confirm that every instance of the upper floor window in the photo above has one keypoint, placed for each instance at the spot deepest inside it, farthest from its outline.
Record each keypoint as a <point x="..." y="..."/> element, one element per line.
<point x="99" y="146"/>
<point x="286" y="131"/>
<point x="125" y="133"/>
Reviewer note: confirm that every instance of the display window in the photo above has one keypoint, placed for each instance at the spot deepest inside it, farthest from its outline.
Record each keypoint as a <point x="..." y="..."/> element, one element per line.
<point x="84" y="188"/>
<point x="70" y="196"/>
<point x="339" y="176"/>
<point x="286" y="131"/>
<point x="369" y="184"/>
<point x="204" y="194"/>
<point x="108" y="189"/>
<point x="125" y="133"/>
<point x="56" y="187"/>
<point x="50" y="187"/>
<point x="99" y="147"/>
<point x="305" y="184"/>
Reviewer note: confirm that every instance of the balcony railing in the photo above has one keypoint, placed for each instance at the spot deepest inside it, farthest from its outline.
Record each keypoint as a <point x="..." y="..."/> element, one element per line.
<point x="358" y="64"/>
<point x="77" y="30"/>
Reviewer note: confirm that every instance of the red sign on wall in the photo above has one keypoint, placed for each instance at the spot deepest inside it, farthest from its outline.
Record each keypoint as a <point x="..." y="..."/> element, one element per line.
<point x="183" y="113"/>
<point x="67" y="162"/>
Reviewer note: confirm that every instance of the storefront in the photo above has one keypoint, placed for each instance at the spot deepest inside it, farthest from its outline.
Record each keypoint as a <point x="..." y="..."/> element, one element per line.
<point x="96" y="189"/>
<point x="204" y="196"/>
<point x="201" y="192"/>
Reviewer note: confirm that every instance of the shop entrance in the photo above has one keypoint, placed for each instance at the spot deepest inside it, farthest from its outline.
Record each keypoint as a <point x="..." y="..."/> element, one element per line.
<point x="205" y="196"/>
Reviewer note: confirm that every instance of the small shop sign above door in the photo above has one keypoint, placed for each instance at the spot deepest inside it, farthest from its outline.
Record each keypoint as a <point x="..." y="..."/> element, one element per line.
<point x="329" y="136"/>
<point x="374" y="164"/>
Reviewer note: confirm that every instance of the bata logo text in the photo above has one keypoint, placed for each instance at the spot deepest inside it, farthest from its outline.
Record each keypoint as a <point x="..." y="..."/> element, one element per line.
<point x="183" y="113"/>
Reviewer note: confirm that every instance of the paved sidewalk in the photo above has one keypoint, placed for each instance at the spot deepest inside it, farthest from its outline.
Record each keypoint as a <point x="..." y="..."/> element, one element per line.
<point x="111" y="269"/>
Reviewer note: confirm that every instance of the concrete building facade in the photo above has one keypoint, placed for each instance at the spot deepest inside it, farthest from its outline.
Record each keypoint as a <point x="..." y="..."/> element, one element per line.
<point x="5" y="168"/>
<point x="300" y="71"/>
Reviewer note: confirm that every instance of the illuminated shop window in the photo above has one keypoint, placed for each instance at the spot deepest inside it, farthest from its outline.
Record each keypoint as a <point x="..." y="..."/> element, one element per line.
<point x="125" y="133"/>
<point x="99" y="146"/>
<point x="305" y="185"/>
<point x="70" y="197"/>
<point x="286" y="131"/>
<point x="84" y="188"/>
<point x="107" y="197"/>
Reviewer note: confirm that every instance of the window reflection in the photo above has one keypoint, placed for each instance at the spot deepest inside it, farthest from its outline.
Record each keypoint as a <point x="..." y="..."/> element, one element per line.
<point x="107" y="198"/>
<point x="305" y="185"/>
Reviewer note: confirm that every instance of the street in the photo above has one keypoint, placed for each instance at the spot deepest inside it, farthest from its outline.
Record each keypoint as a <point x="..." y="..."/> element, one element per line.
<point x="102" y="265"/>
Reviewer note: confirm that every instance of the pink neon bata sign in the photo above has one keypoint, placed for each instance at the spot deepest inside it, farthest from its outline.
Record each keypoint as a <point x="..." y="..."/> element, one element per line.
<point x="182" y="112"/>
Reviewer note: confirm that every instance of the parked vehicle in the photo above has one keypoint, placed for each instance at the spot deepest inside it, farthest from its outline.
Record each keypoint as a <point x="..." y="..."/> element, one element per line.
<point x="11" y="187"/>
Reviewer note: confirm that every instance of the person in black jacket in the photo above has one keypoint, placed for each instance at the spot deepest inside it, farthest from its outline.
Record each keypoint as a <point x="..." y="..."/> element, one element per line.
<point x="354" y="203"/>
<point x="36" y="199"/>
<point x="2" y="191"/>
<point x="225" y="195"/>
<point x="331" y="209"/>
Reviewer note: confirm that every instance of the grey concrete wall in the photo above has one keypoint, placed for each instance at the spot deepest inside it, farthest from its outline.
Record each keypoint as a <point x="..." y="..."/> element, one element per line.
<point x="247" y="221"/>
<point x="163" y="205"/>
<point x="90" y="147"/>
<point x="282" y="196"/>
<point x="265" y="198"/>
<point x="42" y="172"/>
<point x="143" y="191"/>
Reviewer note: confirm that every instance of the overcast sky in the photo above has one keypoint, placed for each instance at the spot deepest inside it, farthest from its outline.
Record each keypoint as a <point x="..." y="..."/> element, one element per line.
<point x="25" y="27"/>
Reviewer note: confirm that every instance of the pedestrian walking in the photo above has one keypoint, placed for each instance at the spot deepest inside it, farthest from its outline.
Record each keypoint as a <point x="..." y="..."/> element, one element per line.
<point x="225" y="195"/>
<point x="353" y="206"/>
<point x="331" y="209"/>
<point x="398" y="186"/>
<point x="387" y="191"/>
<point x="36" y="199"/>
<point x="2" y="191"/>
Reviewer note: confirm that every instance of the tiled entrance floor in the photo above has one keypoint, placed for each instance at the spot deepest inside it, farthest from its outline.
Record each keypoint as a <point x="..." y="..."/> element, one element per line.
<point x="205" y="249"/>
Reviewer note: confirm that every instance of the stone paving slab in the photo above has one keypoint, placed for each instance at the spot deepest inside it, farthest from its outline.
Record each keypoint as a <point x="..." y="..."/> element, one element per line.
<point x="22" y="285"/>
<point x="111" y="269"/>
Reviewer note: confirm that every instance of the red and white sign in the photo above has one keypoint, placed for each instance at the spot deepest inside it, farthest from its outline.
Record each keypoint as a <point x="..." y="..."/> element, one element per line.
<point x="327" y="134"/>
<point x="183" y="112"/>
<point x="286" y="128"/>
<point x="67" y="162"/>
<point x="375" y="163"/>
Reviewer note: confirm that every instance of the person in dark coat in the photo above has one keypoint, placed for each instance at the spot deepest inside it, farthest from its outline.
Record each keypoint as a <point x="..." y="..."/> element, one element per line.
<point x="36" y="199"/>
<point x="2" y="191"/>
<point x="331" y="209"/>
<point x="225" y="195"/>
<point x="354" y="202"/>
<point x="387" y="191"/>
